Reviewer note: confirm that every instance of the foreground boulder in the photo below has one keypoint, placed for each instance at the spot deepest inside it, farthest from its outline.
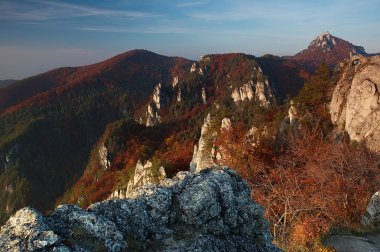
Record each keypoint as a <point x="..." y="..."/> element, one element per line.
<point x="206" y="211"/>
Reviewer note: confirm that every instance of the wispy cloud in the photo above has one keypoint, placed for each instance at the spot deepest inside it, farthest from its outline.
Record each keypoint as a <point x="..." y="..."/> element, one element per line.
<point x="190" y="4"/>
<point x="152" y="29"/>
<point x="33" y="10"/>
<point x="251" y="11"/>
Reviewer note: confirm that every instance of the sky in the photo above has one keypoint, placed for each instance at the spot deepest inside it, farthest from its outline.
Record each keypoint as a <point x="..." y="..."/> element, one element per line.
<point x="39" y="35"/>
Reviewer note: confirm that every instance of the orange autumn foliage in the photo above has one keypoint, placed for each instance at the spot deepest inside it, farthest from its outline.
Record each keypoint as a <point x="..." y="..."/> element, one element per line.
<point x="309" y="187"/>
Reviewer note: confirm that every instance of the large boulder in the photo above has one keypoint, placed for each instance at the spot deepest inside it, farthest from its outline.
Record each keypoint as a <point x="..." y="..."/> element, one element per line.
<point x="206" y="211"/>
<point x="355" y="104"/>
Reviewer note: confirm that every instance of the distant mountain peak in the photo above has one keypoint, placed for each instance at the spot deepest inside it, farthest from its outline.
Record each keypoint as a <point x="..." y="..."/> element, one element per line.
<point x="328" y="48"/>
<point x="325" y="41"/>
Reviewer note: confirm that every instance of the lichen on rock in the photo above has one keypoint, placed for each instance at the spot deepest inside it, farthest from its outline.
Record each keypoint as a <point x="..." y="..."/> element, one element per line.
<point x="207" y="211"/>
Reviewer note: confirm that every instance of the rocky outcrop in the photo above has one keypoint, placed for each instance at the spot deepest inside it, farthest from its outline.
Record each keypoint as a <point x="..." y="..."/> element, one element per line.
<point x="206" y="153"/>
<point x="103" y="157"/>
<point x="193" y="68"/>
<point x="152" y="116"/>
<point x="159" y="99"/>
<point x="372" y="215"/>
<point x="202" y="156"/>
<point x="157" y="96"/>
<point x="204" y="96"/>
<point x="260" y="91"/>
<point x="243" y="93"/>
<point x="175" y="81"/>
<point x="226" y="124"/>
<point x="355" y="104"/>
<point x="293" y="113"/>
<point x="144" y="175"/>
<point x="207" y="211"/>
<point x="264" y="93"/>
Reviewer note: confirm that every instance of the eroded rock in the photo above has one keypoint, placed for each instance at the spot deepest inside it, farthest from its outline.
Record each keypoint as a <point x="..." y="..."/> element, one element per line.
<point x="355" y="105"/>
<point x="144" y="175"/>
<point x="202" y="156"/>
<point x="207" y="211"/>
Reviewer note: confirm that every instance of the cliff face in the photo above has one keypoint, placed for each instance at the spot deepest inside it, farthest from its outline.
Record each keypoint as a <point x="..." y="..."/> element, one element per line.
<point x="261" y="91"/>
<point x="355" y="105"/>
<point x="206" y="211"/>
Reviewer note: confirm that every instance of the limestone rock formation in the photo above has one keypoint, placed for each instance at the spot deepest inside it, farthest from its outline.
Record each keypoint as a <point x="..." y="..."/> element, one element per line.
<point x="103" y="156"/>
<point x="293" y="113"/>
<point x="152" y="116"/>
<point x="144" y="175"/>
<point x="355" y="104"/>
<point x="157" y="96"/>
<point x="175" y="81"/>
<point x="193" y="68"/>
<point x="204" y="96"/>
<point x="202" y="156"/>
<point x="226" y="124"/>
<point x="243" y="93"/>
<point x="206" y="211"/>
<point x="261" y="91"/>
<point x="372" y="215"/>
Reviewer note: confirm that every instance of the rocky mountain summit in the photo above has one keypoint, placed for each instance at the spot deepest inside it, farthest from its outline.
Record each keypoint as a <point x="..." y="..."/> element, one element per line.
<point x="355" y="104"/>
<point x="330" y="49"/>
<point x="206" y="211"/>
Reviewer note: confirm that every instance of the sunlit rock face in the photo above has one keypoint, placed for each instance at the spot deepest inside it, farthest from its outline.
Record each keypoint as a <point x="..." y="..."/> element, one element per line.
<point x="207" y="211"/>
<point x="204" y="96"/>
<point x="355" y="105"/>
<point x="202" y="156"/>
<point x="152" y="117"/>
<point x="260" y="91"/>
<point x="293" y="113"/>
<point x="103" y="157"/>
<point x="144" y="175"/>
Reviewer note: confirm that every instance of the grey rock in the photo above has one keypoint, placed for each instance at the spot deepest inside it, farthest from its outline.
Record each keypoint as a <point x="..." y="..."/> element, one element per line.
<point x="372" y="215"/>
<point x="26" y="230"/>
<point x="206" y="211"/>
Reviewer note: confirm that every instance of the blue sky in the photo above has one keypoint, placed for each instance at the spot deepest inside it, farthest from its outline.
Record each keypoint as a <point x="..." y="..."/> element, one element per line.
<point x="38" y="35"/>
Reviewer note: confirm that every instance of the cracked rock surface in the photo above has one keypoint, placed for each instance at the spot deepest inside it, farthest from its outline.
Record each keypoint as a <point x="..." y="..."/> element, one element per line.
<point x="206" y="211"/>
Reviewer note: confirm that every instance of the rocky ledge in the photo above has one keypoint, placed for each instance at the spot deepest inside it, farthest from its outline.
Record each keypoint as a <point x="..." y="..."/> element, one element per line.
<point x="206" y="211"/>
